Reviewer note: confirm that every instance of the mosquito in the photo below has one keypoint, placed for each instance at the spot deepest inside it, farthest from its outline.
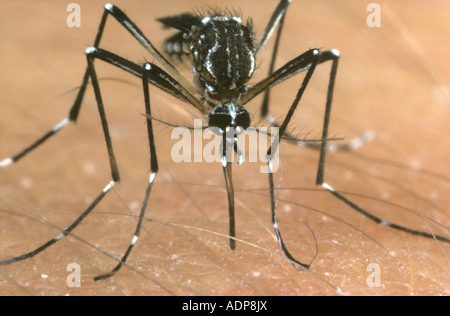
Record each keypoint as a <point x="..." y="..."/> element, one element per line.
<point x="223" y="52"/>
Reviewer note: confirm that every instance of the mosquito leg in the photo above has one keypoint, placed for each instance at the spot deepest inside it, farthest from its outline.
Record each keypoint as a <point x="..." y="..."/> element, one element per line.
<point x="276" y="19"/>
<point x="187" y="90"/>
<point x="65" y="232"/>
<point x="74" y="111"/>
<point x="382" y="221"/>
<point x="273" y="208"/>
<point x="149" y="74"/>
<point x="334" y="55"/>
<point x="299" y="64"/>
<point x="313" y="60"/>
<point x="101" y="111"/>
<point x="10" y="160"/>
<point x="277" y="16"/>
<point x="265" y="103"/>
<point x="128" y="24"/>
<point x="156" y="76"/>
<point x="153" y="167"/>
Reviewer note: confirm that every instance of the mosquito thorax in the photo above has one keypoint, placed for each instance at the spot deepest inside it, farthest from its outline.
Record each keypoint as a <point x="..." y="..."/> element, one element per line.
<point x="222" y="51"/>
<point x="229" y="116"/>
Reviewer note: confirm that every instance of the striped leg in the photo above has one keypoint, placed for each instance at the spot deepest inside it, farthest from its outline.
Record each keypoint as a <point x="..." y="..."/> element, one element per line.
<point x="65" y="232"/>
<point x="153" y="168"/>
<point x="186" y="88"/>
<point x="312" y="58"/>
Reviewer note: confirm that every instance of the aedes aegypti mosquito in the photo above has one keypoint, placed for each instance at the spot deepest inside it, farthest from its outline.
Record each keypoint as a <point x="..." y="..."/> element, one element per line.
<point x="223" y="52"/>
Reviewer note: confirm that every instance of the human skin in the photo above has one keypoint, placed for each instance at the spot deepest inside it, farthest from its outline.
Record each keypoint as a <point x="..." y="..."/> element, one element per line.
<point x="392" y="80"/>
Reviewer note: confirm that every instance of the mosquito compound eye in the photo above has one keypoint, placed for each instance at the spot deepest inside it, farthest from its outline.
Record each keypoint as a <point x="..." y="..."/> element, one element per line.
<point x="220" y="120"/>
<point x="242" y="121"/>
<point x="229" y="115"/>
<point x="222" y="117"/>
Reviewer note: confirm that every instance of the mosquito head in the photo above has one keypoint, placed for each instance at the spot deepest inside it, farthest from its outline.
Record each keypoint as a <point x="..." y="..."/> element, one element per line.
<point x="229" y="115"/>
<point x="222" y="50"/>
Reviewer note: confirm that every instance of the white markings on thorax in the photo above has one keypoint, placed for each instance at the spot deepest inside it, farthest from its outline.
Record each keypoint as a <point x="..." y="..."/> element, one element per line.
<point x="211" y="51"/>
<point x="228" y="45"/>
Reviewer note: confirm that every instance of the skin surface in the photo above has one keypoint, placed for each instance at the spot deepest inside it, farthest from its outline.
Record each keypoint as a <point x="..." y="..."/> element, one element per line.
<point x="392" y="80"/>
